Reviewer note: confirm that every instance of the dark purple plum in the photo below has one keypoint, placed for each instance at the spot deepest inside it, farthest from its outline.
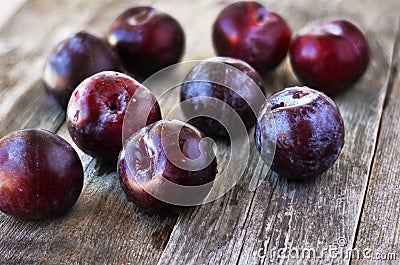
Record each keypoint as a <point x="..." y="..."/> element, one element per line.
<point x="241" y="95"/>
<point x="73" y="60"/>
<point x="330" y="56"/>
<point x="149" y="161"/>
<point x="146" y="39"/>
<point x="309" y="132"/>
<point x="248" y="31"/>
<point x="41" y="175"/>
<point x="97" y="109"/>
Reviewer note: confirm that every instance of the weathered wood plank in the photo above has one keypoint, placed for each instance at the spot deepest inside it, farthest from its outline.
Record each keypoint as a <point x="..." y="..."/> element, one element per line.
<point x="9" y="8"/>
<point x="379" y="227"/>
<point x="315" y="214"/>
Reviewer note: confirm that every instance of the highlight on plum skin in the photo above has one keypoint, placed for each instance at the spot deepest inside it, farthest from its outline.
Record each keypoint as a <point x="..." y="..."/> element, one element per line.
<point x="240" y="96"/>
<point x="308" y="132"/>
<point x="149" y="160"/>
<point x="97" y="109"/>
<point x="74" y="59"/>
<point x="248" y="31"/>
<point x="41" y="175"/>
<point x="146" y="39"/>
<point x="330" y="56"/>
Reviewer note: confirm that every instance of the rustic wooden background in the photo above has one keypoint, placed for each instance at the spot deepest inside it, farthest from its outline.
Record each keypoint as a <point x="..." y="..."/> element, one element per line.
<point x="355" y="203"/>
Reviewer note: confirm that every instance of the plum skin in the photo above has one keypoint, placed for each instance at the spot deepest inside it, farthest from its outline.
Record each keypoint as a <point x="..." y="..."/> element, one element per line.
<point x="330" y="56"/>
<point x="192" y="89"/>
<point x="97" y="109"/>
<point x="146" y="39"/>
<point x="41" y="175"/>
<point x="248" y="31"/>
<point x="150" y="155"/>
<point x="309" y="132"/>
<point x="74" y="59"/>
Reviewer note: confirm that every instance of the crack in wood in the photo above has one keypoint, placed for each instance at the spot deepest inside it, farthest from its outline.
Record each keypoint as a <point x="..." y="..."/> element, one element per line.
<point x="392" y="82"/>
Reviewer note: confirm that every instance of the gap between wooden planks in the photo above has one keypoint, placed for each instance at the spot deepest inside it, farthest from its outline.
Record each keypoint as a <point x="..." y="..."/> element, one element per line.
<point x="104" y="228"/>
<point x="379" y="228"/>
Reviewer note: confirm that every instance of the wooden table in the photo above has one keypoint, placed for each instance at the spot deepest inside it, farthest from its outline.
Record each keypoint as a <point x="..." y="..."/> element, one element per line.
<point x="355" y="205"/>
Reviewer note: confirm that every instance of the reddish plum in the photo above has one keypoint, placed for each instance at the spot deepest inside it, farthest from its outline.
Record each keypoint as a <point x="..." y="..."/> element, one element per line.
<point x="146" y="40"/>
<point x="309" y="132"/>
<point x="149" y="162"/>
<point x="73" y="60"/>
<point x="240" y="94"/>
<point x="330" y="56"/>
<point x="41" y="175"/>
<point x="248" y="31"/>
<point x="97" y="108"/>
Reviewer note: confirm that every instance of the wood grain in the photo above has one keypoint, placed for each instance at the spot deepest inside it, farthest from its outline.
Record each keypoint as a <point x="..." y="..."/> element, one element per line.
<point x="8" y="8"/>
<point x="379" y="229"/>
<point x="103" y="228"/>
